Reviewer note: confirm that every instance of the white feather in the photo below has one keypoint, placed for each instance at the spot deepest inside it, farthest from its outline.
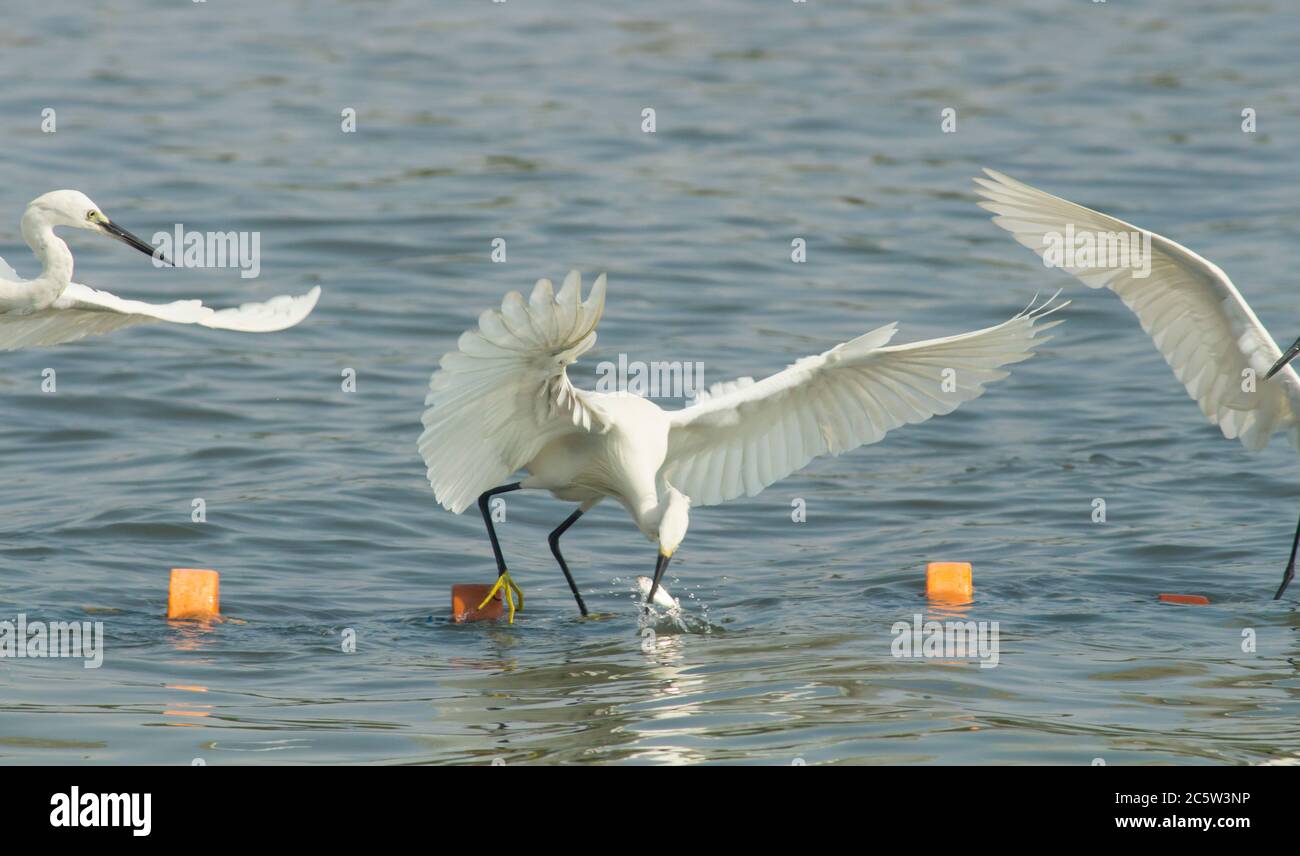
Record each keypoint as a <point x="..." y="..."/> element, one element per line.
<point x="744" y="436"/>
<point x="1198" y="320"/>
<point x="81" y="311"/>
<point x="498" y="399"/>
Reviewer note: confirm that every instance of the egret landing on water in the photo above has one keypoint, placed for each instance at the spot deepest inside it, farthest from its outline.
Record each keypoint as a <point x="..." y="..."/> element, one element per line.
<point x="1200" y="323"/>
<point x="52" y="308"/>
<point x="503" y="402"/>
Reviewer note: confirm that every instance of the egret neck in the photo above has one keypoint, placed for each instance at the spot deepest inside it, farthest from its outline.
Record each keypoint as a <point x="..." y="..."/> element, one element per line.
<point x="56" y="264"/>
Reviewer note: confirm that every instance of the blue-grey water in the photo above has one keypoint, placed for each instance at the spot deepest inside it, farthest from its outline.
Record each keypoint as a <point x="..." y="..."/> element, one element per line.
<point x="523" y="121"/>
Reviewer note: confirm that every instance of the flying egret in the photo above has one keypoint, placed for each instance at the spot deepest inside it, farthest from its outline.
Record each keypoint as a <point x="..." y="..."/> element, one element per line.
<point x="503" y="402"/>
<point x="1202" y="326"/>
<point x="52" y="308"/>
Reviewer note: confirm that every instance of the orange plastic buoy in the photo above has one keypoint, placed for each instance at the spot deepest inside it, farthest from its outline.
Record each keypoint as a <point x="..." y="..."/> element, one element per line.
<point x="194" y="594"/>
<point x="1196" y="599"/>
<point x="465" y="598"/>
<point x="948" y="581"/>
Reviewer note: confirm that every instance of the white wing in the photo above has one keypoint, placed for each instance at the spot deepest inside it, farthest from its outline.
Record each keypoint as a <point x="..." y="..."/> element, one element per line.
<point x="503" y="394"/>
<point x="743" y="436"/>
<point x="1204" y="328"/>
<point x="80" y="312"/>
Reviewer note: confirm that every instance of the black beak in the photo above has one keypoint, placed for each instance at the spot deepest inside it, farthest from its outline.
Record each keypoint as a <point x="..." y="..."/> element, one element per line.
<point x="660" y="566"/>
<point x="1291" y="353"/>
<point x="130" y="240"/>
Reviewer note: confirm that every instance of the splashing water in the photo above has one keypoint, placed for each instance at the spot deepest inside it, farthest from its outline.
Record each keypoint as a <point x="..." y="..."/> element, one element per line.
<point x="668" y="609"/>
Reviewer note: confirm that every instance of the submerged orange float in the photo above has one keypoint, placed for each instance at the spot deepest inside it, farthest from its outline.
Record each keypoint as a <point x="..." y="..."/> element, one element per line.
<point x="1197" y="599"/>
<point x="465" y="598"/>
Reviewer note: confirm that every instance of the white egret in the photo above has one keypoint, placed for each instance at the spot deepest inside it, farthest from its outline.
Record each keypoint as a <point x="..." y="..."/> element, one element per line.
<point x="1201" y="324"/>
<point x="503" y="402"/>
<point x="52" y="308"/>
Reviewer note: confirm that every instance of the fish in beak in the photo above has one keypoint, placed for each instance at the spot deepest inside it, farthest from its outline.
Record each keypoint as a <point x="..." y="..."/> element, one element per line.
<point x="661" y="565"/>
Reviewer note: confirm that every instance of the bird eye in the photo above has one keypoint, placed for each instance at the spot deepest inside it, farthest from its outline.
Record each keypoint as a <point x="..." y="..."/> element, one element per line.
<point x="90" y="215"/>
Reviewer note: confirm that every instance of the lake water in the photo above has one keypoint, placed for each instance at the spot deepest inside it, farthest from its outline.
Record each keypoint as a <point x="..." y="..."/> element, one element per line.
<point x="523" y="121"/>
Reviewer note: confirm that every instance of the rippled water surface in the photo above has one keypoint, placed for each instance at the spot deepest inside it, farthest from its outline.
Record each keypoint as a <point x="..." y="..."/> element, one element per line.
<point x="523" y="121"/>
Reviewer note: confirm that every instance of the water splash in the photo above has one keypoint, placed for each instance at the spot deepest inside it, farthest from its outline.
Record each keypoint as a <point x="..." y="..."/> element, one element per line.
<point x="666" y="608"/>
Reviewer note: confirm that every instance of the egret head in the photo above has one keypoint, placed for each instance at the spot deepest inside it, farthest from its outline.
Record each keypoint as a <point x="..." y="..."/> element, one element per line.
<point x="76" y="210"/>
<point x="674" y="518"/>
<point x="1291" y="353"/>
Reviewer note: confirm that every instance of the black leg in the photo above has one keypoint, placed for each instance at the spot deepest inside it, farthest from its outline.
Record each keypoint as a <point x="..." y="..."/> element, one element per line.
<point x="660" y="566"/>
<point x="1289" y="574"/>
<point x="554" y="540"/>
<point x="487" y="518"/>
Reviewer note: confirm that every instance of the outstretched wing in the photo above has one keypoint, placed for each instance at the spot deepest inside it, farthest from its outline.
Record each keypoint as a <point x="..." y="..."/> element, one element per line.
<point x="80" y="312"/>
<point x="744" y="436"/>
<point x="503" y="394"/>
<point x="1202" y="326"/>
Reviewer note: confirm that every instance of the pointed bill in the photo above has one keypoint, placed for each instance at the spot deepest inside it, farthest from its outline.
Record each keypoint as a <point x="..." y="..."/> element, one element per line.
<point x="1287" y="357"/>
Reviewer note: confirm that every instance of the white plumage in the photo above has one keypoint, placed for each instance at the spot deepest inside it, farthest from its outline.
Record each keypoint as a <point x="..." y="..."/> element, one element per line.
<point x="498" y="399"/>
<point x="53" y="309"/>
<point x="1207" y="333"/>
<point x="503" y="402"/>
<point x="747" y="435"/>
<point x="1198" y="320"/>
<point x="80" y="312"/>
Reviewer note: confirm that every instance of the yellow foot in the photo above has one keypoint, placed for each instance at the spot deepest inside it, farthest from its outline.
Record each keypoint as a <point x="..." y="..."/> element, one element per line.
<point x="507" y="587"/>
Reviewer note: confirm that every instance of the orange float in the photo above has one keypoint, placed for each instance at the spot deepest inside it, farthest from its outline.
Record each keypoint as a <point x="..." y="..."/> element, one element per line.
<point x="194" y="594"/>
<point x="465" y="598"/>
<point x="950" y="581"/>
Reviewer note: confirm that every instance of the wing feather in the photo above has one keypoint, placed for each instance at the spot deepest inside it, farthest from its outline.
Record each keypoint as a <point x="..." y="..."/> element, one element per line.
<point x="81" y="311"/>
<point x="742" y="436"/>
<point x="1197" y="319"/>
<point x="504" y="393"/>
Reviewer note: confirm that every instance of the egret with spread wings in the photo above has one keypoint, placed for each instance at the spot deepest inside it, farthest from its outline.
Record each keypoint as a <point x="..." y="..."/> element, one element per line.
<point x="503" y="402"/>
<point x="52" y="309"/>
<point x="1200" y="323"/>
